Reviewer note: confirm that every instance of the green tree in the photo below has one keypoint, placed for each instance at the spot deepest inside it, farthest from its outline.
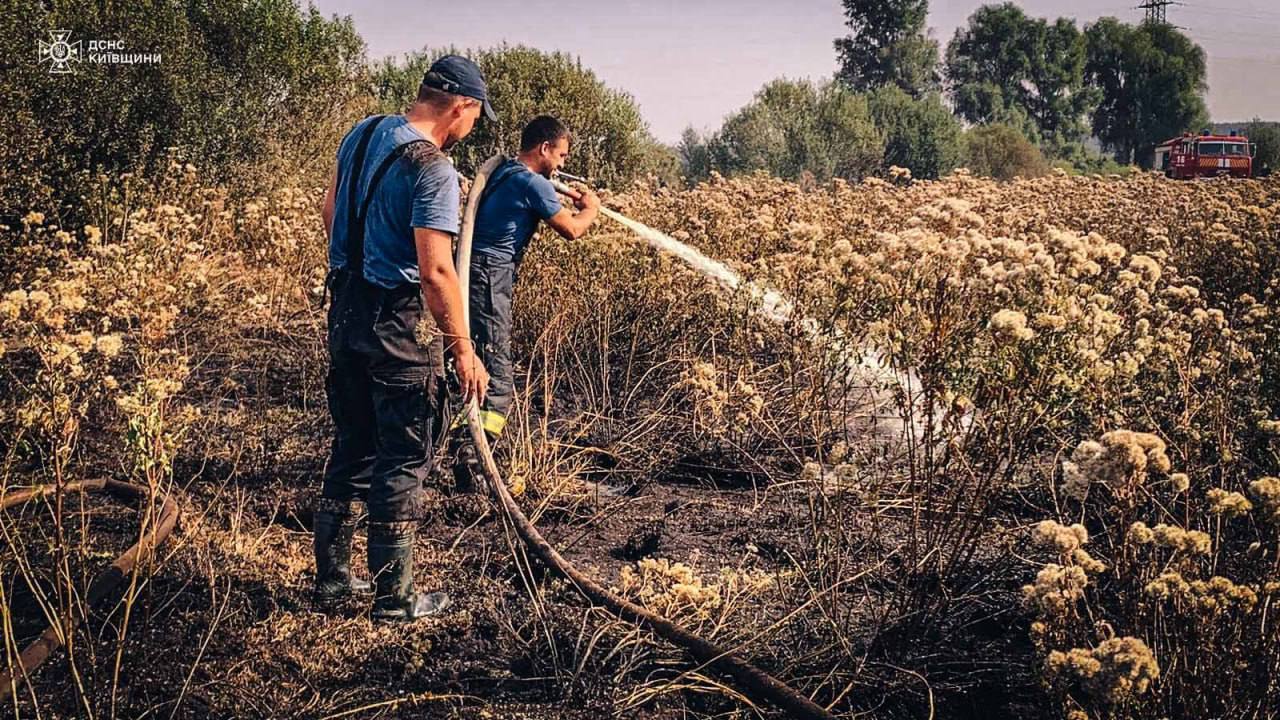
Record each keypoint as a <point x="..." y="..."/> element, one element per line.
<point x="920" y="134"/>
<point x="794" y="128"/>
<point x="1001" y="152"/>
<point x="241" y="84"/>
<point x="888" y="46"/>
<point x="1151" y="79"/>
<point x="1266" y="136"/>
<point x="611" y="145"/>
<point x="694" y="152"/>
<point x="1025" y="72"/>
<point x="661" y="162"/>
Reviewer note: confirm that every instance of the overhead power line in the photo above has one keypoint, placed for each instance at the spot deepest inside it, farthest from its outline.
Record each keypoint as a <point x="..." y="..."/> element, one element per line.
<point x="1252" y="13"/>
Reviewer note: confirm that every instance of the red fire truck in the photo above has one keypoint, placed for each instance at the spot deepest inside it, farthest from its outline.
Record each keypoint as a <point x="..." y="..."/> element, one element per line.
<point x="1205" y="155"/>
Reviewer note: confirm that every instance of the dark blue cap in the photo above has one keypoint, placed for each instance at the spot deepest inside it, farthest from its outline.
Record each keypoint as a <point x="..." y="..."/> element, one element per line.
<point x="459" y="76"/>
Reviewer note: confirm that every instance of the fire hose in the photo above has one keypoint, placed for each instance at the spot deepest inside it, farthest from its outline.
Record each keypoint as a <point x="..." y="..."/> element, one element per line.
<point x="59" y="628"/>
<point x="748" y="679"/>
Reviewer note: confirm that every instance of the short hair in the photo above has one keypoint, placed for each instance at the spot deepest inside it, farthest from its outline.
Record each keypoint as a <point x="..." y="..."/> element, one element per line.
<point x="543" y="128"/>
<point x="435" y="98"/>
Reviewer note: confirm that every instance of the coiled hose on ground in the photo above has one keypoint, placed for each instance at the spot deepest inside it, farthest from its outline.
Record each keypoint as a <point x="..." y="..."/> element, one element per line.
<point x="55" y="635"/>
<point x="748" y="679"/>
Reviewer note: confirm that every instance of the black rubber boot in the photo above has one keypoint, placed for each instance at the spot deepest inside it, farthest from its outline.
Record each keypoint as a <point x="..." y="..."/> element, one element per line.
<point x="333" y="526"/>
<point x="468" y="473"/>
<point x="391" y="566"/>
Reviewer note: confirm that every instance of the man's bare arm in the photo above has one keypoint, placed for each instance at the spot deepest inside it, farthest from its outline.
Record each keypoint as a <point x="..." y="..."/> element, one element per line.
<point x="444" y="301"/>
<point x="572" y="226"/>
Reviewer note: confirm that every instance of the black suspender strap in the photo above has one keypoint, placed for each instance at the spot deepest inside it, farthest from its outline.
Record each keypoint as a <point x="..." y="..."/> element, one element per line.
<point x="355" y="241"/>
<point x="356" y="215"/>
<point x="352" y="182"/>
<point x="511" y="170"/>
<point x="387" y="162"/>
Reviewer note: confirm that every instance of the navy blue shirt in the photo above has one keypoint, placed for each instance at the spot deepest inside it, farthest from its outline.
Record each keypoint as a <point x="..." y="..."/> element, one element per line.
<point x="509" y="216"/>
<point x="411" y="195"/>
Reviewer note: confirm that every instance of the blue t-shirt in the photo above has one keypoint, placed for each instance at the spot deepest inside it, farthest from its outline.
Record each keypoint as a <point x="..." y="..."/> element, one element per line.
<point x="412" y="194"/>
<point x="509" y="215"/>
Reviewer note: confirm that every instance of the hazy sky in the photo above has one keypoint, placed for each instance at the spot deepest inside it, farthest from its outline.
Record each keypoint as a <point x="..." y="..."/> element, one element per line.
<point x="693" y="62"/>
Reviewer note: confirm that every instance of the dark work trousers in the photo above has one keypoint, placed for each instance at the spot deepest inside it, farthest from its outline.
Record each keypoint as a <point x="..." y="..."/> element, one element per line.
<point x="386" y="394"/>
<point x="491" y="288"/>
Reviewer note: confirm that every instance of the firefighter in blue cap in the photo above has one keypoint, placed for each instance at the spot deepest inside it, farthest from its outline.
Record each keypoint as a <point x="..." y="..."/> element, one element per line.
<point x="391" y="213"/>
<point x="517" y="196"/>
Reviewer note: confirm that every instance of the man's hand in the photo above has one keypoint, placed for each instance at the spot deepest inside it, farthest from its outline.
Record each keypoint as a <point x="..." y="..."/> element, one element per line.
<point x="588" y="201"/>
<point x="473" y="378"/>
<point x="586" y="198"/>
<point x="572" y="226"/>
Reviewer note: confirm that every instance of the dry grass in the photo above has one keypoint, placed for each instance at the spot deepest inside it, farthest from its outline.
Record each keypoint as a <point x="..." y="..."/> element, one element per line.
<point x="1074" y="389"/>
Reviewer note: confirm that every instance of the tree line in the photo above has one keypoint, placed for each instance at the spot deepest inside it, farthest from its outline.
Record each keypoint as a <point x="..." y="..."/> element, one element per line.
<point x="257" y="93"/>
<point x="1009" y="94"/>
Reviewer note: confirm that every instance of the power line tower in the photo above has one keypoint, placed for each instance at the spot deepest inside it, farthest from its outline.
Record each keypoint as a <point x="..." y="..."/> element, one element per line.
<point x="1156" y="10"/>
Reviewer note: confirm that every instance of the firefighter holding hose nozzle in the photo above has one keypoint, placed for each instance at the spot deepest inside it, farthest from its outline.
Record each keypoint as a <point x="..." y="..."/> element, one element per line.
<point x="518" y="195"/>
